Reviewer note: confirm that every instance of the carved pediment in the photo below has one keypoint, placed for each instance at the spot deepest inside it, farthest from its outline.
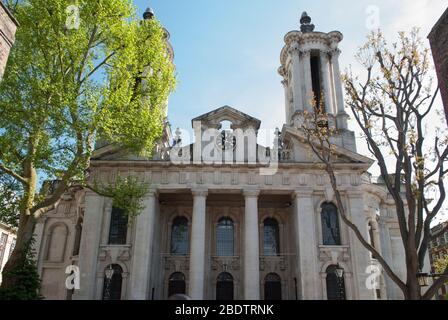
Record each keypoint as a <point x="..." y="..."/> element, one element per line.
<point x="341" y="155"/>
<point x="238" y="119"/>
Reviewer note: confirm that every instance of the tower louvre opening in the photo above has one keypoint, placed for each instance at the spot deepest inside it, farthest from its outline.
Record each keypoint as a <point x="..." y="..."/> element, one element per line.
<point x="316" y="79"/>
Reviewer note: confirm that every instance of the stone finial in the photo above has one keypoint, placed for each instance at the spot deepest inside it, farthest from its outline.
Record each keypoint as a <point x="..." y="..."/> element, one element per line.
<point x="305" y="23"/>
<point x="277" y="138"/>
<point x="148" y="14"/>
<point x="178" y="137"/>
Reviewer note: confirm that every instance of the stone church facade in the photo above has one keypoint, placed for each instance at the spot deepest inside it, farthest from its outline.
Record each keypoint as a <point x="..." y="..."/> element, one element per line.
<point x="226" y="218"/>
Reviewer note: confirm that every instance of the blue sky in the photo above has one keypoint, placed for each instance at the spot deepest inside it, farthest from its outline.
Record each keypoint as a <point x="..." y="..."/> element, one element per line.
<point x="227" y="52"/>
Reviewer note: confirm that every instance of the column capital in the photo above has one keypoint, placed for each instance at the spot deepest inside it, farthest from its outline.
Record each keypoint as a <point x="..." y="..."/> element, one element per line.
<point x="306" y="53"/>
<point x="254" y="193"/>
<point x="325" y="55"/>
<point x="303" y="193"/>
<point x="294" y="48"/>
<point x="199" y="192"/>
<point x="152" y="192"/>
<point x="335" y="53"/>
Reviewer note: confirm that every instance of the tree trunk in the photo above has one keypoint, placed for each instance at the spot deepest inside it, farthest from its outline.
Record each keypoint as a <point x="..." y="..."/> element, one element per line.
<point x="413" y="292"/>
<point x="24" y="237"/>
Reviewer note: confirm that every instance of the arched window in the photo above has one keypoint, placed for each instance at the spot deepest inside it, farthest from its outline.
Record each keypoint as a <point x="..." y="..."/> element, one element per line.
<point x="57" y="242"/>
<point x="112" y="282"/>
<point x="179" y="236"/>
<point x="176" y="284"/>
<point x="118" y="226"/>
<point x="335" y="284"/>
<point x="272" y="287"/>
<point x="224" y="287"/>
<point x="330" y="225"/>
<point x="271" y="243"/>
<point x="224" y="238"/>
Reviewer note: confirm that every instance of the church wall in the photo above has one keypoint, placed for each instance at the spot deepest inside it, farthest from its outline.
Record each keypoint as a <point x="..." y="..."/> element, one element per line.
<point x="174" y="199"/>
<point x="55" y="243"/>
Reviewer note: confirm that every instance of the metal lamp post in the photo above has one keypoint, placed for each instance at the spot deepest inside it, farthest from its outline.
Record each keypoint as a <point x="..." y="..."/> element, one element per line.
<point x="109" y="274"/>
<point x="340" y="275"/>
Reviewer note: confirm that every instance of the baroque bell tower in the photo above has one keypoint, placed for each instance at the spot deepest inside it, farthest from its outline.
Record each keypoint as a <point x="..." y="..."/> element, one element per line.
<point x="310" y="71"/>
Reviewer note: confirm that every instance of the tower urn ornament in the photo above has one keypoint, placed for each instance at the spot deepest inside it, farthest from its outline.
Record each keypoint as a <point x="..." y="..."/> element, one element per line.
<point x="305" y="23"/>
<point x="148" y="14"/>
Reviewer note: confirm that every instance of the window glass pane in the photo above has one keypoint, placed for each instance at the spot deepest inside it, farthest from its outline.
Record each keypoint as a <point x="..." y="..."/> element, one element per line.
<point x="112" y="286"/>
<point x="271" y="245"/>
<point x="176" y="284"/>
<point x="335" y="285"/>
<point x="179" y="236"/>
<point x="118" y="227"/>
<point x="330" y="225"/>
<point x="3" y="241"/>
<point x="11" y="249"/>
<point x="224" y="287"/>
<point x="224" y="238"/>
<point x="272" y="287"/>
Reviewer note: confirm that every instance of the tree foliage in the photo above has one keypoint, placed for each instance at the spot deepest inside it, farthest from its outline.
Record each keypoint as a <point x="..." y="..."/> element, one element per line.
<point x="10" y="191"/>
<point x="394" y="107"/>
<point x="441" y="264"/>
<point x="68" y="84"/>
<point x="127" y="194"/>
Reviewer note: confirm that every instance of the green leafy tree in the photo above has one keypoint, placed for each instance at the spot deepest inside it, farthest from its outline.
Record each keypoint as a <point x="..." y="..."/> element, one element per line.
<point x="10" y="191"/>
<point x="79" y="71"/>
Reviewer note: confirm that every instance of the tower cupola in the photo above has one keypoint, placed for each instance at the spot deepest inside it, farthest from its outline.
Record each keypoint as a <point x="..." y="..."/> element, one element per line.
<point x="311" y="74"/>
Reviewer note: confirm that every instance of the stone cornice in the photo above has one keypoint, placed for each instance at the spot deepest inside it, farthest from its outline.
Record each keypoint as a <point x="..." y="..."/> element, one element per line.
<point x="145" y="164"/>
<point x="296" y="40"/>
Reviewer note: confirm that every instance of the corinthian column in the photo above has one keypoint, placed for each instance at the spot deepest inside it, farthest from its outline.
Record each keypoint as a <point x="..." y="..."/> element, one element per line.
<point x="142" y="246"/>
<point x="359" y="255"/>
<point x="197" y="246"/>
<point x="288" y="112"/>
<point x="306" y="244"/>
<point x="296" y="79"/>
<point x="306" y="58"/>
<point x="339" y="94"/>
<point x="325" y="65"/>
<point x="89" y="248"/>
<point x="251" y="247"/>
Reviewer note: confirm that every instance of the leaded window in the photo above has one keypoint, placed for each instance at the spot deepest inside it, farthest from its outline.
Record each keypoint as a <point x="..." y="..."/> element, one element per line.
<point x="176" y="284"/>
<point x="118" y="227"/>
<point x="179" y="236"/>
<point x="335" y="284"/>
<point x="330" y="225"/>
<point x="271" y="243"/>
<point x="272" y="287"/>
<point x="3" y="241"/>
<point x="11" y="248"/>
<point x="224" y="287"/>
<point x="225" y="238"/>
<point x="113" y="281"/>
